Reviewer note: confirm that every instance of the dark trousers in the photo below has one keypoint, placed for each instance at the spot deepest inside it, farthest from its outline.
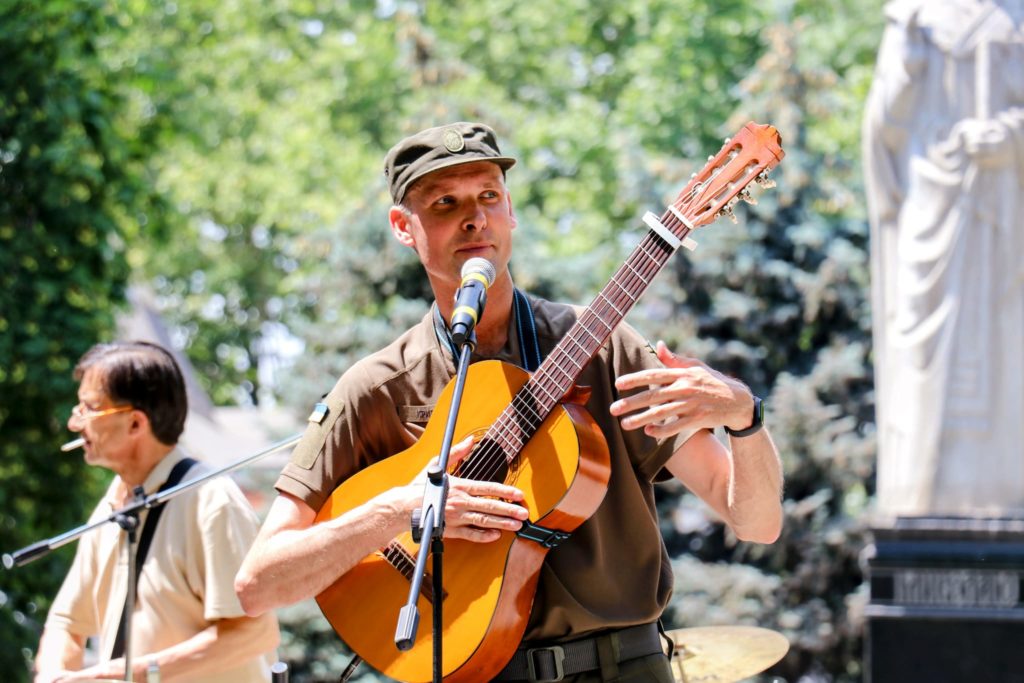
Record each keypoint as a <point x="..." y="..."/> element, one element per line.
<point x="650" y="669"/>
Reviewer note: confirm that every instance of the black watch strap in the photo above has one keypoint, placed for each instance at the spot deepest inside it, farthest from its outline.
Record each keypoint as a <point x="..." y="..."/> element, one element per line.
<point x="756" y="423"/>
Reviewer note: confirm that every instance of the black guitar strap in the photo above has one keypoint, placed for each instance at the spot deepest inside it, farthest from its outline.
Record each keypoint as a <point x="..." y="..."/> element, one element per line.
<point x="145" y="540"/>
<point x="527" y="329"/>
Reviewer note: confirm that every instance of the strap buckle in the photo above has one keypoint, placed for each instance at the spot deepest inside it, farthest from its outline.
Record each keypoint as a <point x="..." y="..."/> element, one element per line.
<point x="549" y="538"/>
<point x="533" y="663"/>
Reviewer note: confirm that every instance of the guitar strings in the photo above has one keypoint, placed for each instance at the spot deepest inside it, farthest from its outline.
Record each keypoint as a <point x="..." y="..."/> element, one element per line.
<point x="490" y="457"/>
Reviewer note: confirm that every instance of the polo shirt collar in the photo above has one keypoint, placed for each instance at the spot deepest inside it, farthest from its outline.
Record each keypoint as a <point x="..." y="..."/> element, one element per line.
<point x="154" y="480"/>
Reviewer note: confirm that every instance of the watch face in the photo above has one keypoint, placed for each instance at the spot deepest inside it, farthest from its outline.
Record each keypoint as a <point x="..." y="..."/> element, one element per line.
<point x="758" y="411"/>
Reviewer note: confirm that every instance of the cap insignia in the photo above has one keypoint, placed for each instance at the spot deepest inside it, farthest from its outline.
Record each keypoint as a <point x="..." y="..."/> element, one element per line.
<point x="453" y="141"/>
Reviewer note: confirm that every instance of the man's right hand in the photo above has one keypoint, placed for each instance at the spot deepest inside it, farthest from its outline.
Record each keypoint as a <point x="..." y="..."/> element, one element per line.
<point x="476" y="510"/>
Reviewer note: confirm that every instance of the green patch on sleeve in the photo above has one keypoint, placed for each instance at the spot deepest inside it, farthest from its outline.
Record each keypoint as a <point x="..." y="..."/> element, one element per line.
<point x="318" y="429"/>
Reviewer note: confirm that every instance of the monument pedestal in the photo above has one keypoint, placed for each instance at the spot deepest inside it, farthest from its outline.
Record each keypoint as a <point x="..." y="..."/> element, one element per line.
<point x="946" y="601"/>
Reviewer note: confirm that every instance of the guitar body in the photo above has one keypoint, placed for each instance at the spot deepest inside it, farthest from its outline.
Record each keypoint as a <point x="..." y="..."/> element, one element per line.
<point x="488" y="587"/>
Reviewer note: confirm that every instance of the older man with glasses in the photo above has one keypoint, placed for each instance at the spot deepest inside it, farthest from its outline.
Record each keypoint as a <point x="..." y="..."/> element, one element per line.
<point x="187" y="620"/>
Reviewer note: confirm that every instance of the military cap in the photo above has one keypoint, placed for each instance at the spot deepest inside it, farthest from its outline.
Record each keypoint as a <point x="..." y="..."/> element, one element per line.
<point x="440" y="147"/>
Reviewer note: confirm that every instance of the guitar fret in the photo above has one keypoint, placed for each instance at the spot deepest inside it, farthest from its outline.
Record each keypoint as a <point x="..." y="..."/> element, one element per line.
<point x="569" y="347"/>
<point x="393" y="553"/>
<point x="607" y="327"/>
<point x="506" y="440"/>
<point x="610" y="303"/>
<point x="511" y="443"/>
<point x="398" y="557"/>
<point x="550" y="399"/>
<point x="591" y="334"/>
<point x="615" y="281"/>
<point x="529" y="415"/>
<point x="629" y="265"/>
<point x="644" y="248"/>
<point x="519" y="439"/>
<point x="573" y="361"/>
<point x="556" y="368"/>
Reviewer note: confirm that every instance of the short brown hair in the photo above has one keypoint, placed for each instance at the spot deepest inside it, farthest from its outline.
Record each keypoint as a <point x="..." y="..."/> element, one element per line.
<point x="147" y="377"/>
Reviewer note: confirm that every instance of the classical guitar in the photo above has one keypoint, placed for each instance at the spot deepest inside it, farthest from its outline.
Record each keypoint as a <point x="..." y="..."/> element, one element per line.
<point x="531" y="431"/>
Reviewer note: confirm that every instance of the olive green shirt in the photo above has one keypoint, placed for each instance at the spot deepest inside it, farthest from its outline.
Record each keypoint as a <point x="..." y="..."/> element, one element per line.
<point x="614" y="570"/>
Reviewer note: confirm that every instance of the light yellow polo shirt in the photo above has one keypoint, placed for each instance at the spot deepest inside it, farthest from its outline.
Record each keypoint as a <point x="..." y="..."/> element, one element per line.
<point x="186" y="584"/>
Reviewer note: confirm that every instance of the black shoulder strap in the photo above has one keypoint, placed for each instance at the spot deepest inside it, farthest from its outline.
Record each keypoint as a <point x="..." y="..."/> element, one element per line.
<point x="145" y="540"/>
<point x="529" y="346"/>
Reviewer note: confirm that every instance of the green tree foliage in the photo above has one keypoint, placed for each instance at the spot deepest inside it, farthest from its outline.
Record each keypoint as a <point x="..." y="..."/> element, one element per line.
<point x="782" y="303"/>
<point x="67" y="185"/>
<point x="274" y="111"/>
<point x="271" y="165"/>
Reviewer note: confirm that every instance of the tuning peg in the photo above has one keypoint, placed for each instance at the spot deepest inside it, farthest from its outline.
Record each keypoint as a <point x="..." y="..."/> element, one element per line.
<point x="747" y="197"/>
<point x="727" y="211"/>
<point x="764" y="181"/>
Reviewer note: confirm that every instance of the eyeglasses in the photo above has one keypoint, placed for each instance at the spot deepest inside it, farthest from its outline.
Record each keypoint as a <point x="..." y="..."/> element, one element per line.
<point x="84" y="414"/>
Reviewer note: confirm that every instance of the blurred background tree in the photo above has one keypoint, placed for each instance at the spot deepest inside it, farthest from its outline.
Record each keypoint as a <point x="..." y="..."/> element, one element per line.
<point x="234" y="169"/>
<point x="71" y="179"/>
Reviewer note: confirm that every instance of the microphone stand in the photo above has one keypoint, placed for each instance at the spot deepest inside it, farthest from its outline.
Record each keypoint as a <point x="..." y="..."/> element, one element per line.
<point x="128" y="519"/>
<point x="428" y="522"/>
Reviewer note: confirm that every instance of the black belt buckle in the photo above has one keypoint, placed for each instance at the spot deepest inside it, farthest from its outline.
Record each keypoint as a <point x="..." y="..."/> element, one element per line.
<point x="557" y="656"/>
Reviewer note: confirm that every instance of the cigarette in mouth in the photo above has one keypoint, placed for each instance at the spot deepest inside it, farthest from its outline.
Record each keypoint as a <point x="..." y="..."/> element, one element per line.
<point x="72" y="445"/>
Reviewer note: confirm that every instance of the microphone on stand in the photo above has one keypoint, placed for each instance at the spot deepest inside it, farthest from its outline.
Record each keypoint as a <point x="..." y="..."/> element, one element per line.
<point x="477" y="275"/>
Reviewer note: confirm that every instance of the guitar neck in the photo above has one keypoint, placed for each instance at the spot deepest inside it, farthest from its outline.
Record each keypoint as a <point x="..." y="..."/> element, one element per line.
<point x="745" y="158"/>
<point x="558" y="373"/>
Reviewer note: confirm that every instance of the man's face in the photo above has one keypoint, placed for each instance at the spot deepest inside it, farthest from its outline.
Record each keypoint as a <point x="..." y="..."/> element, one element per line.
<point x="104" y="425"/>
<point x="458" y="214"/>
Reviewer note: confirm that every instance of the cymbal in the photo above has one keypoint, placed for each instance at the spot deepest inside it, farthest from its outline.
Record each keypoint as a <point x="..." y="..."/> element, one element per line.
<point x="724" y="654"/>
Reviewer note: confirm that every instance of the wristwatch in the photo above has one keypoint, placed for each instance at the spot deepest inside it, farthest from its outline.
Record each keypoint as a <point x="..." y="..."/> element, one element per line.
<point x="756" y="423"/>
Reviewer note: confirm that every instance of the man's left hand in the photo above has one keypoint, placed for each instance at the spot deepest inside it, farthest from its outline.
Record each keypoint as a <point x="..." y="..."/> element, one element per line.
<point x="685" y="394"/>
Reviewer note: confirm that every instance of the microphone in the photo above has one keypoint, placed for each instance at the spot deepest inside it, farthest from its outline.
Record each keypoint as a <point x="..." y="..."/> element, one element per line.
<point x="477" y="275"/>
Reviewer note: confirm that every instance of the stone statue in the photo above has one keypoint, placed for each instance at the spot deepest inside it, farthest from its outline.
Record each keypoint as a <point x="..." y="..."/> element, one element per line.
<point x="944" y="160"/>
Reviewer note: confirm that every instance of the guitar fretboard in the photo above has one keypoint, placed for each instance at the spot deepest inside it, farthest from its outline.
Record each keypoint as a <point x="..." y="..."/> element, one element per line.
<point x="558" y="373"/>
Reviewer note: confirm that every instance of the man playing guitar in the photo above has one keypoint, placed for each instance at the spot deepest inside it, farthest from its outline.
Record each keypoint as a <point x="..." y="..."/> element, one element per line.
<point x="600" y="593"/>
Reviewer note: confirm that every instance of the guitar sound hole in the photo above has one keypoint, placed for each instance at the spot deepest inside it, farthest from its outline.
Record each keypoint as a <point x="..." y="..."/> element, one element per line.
<point x="487" y="462"/>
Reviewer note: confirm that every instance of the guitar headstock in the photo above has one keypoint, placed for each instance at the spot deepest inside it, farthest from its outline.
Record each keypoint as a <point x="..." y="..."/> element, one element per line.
<point x="746" y="157"/>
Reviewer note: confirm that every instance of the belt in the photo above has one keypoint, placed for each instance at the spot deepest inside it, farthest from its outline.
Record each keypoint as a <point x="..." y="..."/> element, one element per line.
<point x="555" y="662"/>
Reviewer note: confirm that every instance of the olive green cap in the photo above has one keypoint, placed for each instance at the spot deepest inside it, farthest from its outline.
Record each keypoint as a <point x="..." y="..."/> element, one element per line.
<point x="440" y="147"/>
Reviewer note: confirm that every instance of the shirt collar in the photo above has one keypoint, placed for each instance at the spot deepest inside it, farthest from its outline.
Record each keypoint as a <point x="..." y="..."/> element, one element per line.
<point x="154" y="480"/>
